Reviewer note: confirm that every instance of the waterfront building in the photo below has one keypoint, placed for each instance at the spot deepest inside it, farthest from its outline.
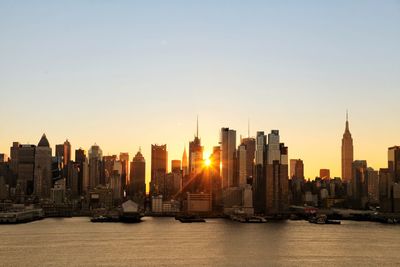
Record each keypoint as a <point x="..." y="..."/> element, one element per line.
<point x="199" y="203"/>
<point x="157" y="204"/>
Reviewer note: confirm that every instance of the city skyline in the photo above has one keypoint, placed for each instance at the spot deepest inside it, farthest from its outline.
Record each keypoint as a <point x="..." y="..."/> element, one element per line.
<point x="335" y="172"/>
<point x="92" y="73"/>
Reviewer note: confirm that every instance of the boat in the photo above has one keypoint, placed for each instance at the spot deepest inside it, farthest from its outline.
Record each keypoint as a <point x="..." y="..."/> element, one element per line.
<point x="256" y="219"/>
<point x="131" y="212"/>
<point x="322" y="219"/>
<point x="102" y="218"/>
<point x="189" y="219"/>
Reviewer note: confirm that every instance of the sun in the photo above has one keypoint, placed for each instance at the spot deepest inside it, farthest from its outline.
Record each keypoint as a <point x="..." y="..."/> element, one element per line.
<point x="207" y="162"/>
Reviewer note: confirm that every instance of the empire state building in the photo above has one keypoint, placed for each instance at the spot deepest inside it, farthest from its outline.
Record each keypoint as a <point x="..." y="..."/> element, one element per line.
<point x="347" y="153"/>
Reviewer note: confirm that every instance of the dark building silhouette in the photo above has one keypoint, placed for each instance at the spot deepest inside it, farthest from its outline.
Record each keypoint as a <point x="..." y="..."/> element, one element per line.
<point x="277" y="185"/>
<point x="95" y="166"/>
<point x="228" y="157"/>
<point x="43" y="181"/>
<point x="394" y="162"/>
<point x="195" y="155"/>
<point x="25" y="169"/>
<point x="359" y="183"/>
<point x="159" y="162"/>
<point x="259" y="185"/>
<point x="137" y="178"/>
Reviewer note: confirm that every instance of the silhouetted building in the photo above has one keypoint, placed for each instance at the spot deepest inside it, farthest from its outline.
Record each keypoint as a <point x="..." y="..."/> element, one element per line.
<point x="250" y="144"/>
<point x="373" y="185"/>
<point x="185" y="166"/>
<point x="347" y="154"/>
<point x="14" y="157"/>
<point x="195" y="155"/>
<point x="124" y="158"/>
<point x="296" y="169"/>
<point x="176" y="166"/>
<point x="95" y="166"/>
<point x="228" y="152"/>
<point x="394" y="162"/>
<point x="137" y="178"/>
<point x="359" y="183"/>
<point x="63" y="152"/>
<point x="325" y="174"/>
<point x="159" y="159"/>
<point x="43" y="170"/>
<point x="83" y="174"/>
<point x="25" y="170"/>
<point x="108" y="168"/>
<point x="259" y="185"/>
<point x="277" y="197"/>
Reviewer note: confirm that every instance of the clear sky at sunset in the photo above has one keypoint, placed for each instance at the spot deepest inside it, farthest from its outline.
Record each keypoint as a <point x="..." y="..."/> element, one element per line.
<point x="126" y="74"/>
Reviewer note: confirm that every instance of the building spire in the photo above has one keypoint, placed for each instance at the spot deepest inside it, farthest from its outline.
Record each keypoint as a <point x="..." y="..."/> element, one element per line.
<point x="248" y="128"/>
<point x="347" y="120"/>
<point x="197" y="128"/>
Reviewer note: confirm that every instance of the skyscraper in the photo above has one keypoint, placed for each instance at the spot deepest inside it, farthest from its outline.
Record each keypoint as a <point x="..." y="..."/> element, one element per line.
<point x="259" y="185"/>
<point x="250" y="144"/>
<point x="296" y="169"/>
<point x="25" y="168"/>
<point x="360" y="183"/>
<point x="277" y="186"/>
<point x="43" y="173"/>
<point x="159" y="166"/>
<point x="347" y="153"/>
<point x="184" y="163"/>
<point x="176" y="166"/>
<point x="124" y="158"/>
<point x="242" y="165"/>
<point x="83" y="175"/>
<point x="137" y="177"/>
<point x="195" y="154"/>
<point x="325" y="174"/>
<point x="394" y="162"/>
<point x="63" y="152"/>
<point x="228" y="151"/>
<point x="95" y="156"/>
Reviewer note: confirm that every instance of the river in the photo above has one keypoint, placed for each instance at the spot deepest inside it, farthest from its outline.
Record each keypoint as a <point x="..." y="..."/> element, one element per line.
<point x="218" y="242"/>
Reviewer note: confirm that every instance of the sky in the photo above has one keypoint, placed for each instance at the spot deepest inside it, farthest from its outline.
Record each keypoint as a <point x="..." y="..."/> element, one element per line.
<point x="128" y="74"/>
